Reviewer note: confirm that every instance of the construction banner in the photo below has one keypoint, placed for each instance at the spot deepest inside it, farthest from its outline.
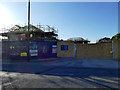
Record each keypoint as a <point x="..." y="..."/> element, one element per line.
<point x="54" y="48"/>
<point x="33" y="52"/>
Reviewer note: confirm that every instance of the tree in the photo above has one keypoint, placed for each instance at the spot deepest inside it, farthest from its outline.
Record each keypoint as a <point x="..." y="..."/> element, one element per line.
<point x="116" y="37"/>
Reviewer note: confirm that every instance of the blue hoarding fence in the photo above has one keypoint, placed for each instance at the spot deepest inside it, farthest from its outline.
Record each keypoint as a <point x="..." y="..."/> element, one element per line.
<point x="37" y="49"/>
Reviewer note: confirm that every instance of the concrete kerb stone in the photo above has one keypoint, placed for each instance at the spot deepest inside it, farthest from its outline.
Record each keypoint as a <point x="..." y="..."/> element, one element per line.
<point x="46" y="59"/>
<point x="31" y="61"/>
<point x="78" y="62"/>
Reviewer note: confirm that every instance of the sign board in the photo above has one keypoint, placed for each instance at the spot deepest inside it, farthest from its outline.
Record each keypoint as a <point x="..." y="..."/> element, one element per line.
<point x="11" y="47"/>
<point x="54" y="48"/>
<point x="23" y="54"/>
<point x="33" y="52"/>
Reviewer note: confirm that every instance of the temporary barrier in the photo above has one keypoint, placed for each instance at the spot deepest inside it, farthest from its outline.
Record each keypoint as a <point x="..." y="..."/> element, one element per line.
<point x="37" y="49"/>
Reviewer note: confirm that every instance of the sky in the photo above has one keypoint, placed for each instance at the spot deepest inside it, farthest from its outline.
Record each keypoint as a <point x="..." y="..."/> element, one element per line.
<point x="89" y="20"/>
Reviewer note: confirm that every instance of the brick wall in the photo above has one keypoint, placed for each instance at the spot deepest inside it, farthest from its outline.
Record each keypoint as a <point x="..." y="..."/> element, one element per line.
<point x="101" y="50"/>
<point x="116" y="45"/>
<point x="69" y="52"/>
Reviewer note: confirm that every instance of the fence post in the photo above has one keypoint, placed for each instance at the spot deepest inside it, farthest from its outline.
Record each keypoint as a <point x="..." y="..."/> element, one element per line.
<point x="113" y="49"/>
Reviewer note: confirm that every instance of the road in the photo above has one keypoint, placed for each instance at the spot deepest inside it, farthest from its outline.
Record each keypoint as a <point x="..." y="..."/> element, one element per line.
<point x="61" y="73"/>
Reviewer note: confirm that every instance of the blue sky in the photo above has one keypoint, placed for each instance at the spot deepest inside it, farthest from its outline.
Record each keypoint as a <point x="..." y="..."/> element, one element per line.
<point x="90" y="20"/>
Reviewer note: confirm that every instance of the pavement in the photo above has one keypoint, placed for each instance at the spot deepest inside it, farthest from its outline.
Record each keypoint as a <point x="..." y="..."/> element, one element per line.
<point x="61" y="73"/>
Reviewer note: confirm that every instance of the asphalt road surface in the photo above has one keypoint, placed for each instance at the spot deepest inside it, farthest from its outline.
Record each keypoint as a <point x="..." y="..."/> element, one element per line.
<point x="61" y="73"/>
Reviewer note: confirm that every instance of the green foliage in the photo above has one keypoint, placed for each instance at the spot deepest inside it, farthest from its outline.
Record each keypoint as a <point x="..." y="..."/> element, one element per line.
<point x="116" y="37"/>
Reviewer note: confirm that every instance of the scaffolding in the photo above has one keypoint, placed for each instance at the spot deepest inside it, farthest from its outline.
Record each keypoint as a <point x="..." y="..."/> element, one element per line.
<point x="37" y="32"/>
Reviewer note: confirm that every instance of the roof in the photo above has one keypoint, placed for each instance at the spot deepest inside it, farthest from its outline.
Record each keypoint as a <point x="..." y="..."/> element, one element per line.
<point x="19" y="29"/>
<point x="105" y="39"/>
<point x="22" y="30"/>
<point x="25" y="28"/>
<point x="78" y="39"/>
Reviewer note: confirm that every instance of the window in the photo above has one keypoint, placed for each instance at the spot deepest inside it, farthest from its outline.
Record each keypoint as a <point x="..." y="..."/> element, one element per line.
<point x="64" y="47"/>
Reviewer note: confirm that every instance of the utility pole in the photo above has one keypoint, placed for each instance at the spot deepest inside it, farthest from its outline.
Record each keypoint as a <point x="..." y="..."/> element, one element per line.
<point x="119" y="17"/>
<point x="28" y="31"/>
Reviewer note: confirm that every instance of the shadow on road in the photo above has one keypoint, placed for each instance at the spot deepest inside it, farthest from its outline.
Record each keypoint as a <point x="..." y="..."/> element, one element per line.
<point x="60" y="70"/>
<point x="76" y="76"/>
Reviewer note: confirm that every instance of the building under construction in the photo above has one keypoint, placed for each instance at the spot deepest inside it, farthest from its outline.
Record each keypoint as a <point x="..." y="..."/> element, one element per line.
<point x="40" y="44"/>
<point x="18" y="33"/>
